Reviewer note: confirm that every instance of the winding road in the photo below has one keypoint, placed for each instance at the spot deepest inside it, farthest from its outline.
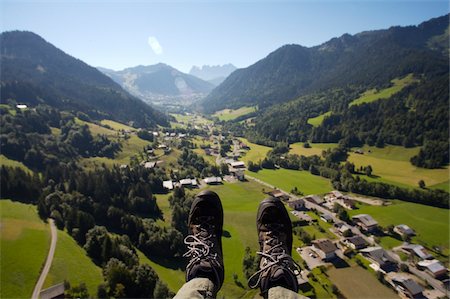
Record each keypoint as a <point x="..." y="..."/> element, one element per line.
<point x="48" y="262"/>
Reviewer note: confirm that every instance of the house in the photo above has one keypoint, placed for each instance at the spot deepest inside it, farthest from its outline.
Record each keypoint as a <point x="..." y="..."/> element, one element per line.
<point x="315" y="199"/>
<point x="149" y="165"/>
<point x="407" y="287"/>
<point x="279" y="194"/>
<point x="418" y="250"/>
<point x="325" y="249"/>
<point x="237" y="164"/>
<point x="433" y="267"/>
<point x="380" y="259"/>
<point x="346" y="203"/>
<point x="302" y="216"/>
<point x="342" y="228"/>
<point x="238" y="173"/>
<point x="123" y="166"/>
<point x="335" y="194"/>
<point x="53" y="292"/>
<point x="189" y="183"/>
<point x="21" y="106"/>
<point x="365" y="222"/>
<point x="404" y="230"/>
<point x="213" y="180"/>
<point x="297" y="204"/>
<point x="168" y="185"/>
<point x="356" y="242"/>
<point x="326" y="217"/>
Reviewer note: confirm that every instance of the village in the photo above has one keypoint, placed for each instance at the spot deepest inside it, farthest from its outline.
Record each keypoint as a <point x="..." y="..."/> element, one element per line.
<point x="356" y="235"/>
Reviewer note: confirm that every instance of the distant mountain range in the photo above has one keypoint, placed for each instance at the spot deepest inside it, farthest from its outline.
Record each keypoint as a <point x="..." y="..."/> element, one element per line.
<point x="36" y="72"/>
<point x="214" y="74"/>
<point x="369" y="59"/>
<point x="160" y="83"/>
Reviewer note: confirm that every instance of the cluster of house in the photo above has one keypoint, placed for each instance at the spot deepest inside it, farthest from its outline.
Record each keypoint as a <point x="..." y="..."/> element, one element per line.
<point x="190" y="183"/>
<point x="379" y="258"/>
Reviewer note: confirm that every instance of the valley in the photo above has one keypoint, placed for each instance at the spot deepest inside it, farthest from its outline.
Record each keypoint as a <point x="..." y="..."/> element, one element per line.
<point x="350" y="135"/>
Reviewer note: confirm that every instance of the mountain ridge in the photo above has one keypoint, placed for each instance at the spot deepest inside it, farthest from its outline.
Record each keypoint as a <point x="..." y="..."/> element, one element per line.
<point x="370" y="58"/>
<point x="35" y="71"/>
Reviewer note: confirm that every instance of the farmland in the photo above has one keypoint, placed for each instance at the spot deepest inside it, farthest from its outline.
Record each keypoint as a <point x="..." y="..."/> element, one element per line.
<point x="314" y="149"/>
<point x="71" y="263"/>
<point x="393" y="166"/>
<point x="13" y="163"/>
<point x="21" y="229"/>
<point x="256" y="153"/>
<point x="355" y="282"/>
<point x="230" y="114"/>
<point x="286" y="179"/>
<point x="317" y="121"/>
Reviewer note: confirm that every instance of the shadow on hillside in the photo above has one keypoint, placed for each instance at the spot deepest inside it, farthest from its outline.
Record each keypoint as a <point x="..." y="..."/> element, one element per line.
<point x="175" y="263"/>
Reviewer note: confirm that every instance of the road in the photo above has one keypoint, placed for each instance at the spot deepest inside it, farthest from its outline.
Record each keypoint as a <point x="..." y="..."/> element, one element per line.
<point x="48" y="262"/>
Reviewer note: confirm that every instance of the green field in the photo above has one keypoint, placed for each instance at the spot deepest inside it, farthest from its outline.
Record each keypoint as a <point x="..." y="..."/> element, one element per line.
<point x="256" y="153"/>
<point x="388" y="242"/>
<point x="286" y="179"/>
<point x="116" y="126"/>
<point x="230" y="114"/>
<point x="5" y="161"/>
<point x="443" y="186"/>
<point x="355" y="282"/>
<point x="192" y="119"/>
<point x="314" y="149"/>
<point x="317" y="121"/>
<point x="71" y="263"/>
<point x="373" y="94"/>
<point x="392" y="165"/>
<point x="25" y="241"/>
<point x="430" y="223"/>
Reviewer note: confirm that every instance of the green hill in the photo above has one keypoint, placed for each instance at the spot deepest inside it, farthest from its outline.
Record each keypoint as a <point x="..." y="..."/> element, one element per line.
<point x="36" y="72"/>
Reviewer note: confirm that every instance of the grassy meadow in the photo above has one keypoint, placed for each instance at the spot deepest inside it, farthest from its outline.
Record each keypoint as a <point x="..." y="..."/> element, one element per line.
<point x="71" y="263"/>
<point x="230" y="114"/>
<point x="5" y="161"/>
<point x="356" y="282"/>
<point x="314" y="149"/>
<point x="287" y="179"/>
<point x="374" y="95"/>
<point x="256" y="153"/>
<point x="391" y="165"/>
<point x="21" y="231"/>
<point x="430" y="223"/>
<point x="317" y="121"/>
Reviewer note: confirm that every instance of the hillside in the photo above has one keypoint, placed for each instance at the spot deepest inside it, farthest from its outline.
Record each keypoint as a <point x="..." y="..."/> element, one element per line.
<point x="36" y="72"/>
<point x="370" y="59"/>
<point x="159" y="83"/>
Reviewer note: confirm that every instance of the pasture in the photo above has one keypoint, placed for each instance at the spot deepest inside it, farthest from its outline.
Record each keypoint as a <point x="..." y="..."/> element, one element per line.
<point x="116" y="125"/>
<point x="392" y="165"/>
<point x="355" y="282"/>
<point x="286" y="179"/>
<point x="71" y="263"/>
<point x="317" y="121"/>
<point x="256" y="153"/>
<point x="314" y="149"/>
<point x="230" y="114"/>
<point x="5" y="161"/>
<point x="374" y="94"/>
<point x="430" y="223"/>
<point x="21" y="230"/>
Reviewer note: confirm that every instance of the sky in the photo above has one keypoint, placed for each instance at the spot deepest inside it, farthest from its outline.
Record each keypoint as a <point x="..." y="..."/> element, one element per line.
<point x="117" y="34"/>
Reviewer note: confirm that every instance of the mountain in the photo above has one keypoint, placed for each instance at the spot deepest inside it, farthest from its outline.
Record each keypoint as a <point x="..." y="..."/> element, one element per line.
<point x="160" y="83"/>
<point x="36" y="72"/>
<point x="368" y="59"/>
<point x="214" y="74"/>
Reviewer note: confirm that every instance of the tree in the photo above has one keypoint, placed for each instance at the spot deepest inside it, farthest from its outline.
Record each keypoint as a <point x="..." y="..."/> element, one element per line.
<point x="422" y="184"/>
<point x="368" y="170"/>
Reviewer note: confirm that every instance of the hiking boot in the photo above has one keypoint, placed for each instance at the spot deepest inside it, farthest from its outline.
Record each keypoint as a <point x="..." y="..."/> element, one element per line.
<point x="277" y="268"/>
<point x="204" y="241"/>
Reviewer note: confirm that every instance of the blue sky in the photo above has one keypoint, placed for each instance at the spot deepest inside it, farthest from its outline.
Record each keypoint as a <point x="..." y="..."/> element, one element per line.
<point x="118" y="34"/>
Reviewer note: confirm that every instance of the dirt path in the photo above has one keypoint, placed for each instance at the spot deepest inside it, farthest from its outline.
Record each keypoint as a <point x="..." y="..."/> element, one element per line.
<point x="48" y="262"/>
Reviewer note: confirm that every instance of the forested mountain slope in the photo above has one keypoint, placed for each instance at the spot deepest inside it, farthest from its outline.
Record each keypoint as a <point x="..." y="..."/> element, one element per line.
<point x="36" y="72"/>
<point x="368" y="59"/>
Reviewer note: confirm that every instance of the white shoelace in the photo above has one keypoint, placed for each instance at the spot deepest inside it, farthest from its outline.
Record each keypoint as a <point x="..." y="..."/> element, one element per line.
<point x="274" y="256"/>
<point x="199" y="246"/>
